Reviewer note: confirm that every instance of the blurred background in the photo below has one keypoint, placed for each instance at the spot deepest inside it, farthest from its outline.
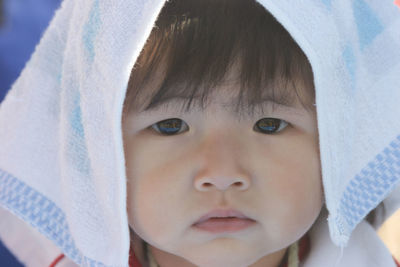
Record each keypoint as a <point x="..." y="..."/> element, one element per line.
<point x="22" y="23"/>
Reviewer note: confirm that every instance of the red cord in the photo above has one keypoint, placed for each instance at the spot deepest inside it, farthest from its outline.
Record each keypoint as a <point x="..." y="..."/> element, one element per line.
<point x="133" y="261"/>
<point x="56" y="260"/>
<point x="397" y="263"/>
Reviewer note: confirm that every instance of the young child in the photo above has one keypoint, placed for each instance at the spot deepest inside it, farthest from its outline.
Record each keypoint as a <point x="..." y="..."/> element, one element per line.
<point x="224" y="158"/>
<point x="183" y="163"/>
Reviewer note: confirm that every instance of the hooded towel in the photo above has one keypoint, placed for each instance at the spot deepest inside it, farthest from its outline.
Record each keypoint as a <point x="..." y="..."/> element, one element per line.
<point x="62" y="167"/>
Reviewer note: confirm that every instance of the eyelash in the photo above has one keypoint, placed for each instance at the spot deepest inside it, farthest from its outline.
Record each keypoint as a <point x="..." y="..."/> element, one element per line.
<point x="281" y="126"/>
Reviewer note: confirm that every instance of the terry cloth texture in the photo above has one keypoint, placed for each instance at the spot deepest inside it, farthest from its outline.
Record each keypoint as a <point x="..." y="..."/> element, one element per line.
<point x="364" y="249"/>
<point x="62" y="167"/>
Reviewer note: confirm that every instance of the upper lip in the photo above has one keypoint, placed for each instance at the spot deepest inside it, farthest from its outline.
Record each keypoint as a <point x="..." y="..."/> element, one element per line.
<point x="221" y="213"/>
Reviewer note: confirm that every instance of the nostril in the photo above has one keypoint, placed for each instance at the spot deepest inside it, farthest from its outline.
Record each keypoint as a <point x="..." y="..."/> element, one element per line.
<point x="238" y="183"/>
<point x="210" y="184"/>
<point x="220" y="183"/>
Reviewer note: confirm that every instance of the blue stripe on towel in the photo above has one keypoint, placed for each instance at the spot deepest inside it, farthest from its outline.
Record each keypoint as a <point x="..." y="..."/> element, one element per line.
<point x="368" y="25"/>
<point x="91" y="29"/>
<point x="350" y="60"/>
<point x="76" y="149"/>
<point x="41" y="213"/>
<point x="327" y="3"/>
<point x="373" y="182"/>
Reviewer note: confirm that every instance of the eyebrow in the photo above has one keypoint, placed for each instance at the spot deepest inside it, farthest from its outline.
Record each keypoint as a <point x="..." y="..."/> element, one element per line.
<point x="286" y="104"/>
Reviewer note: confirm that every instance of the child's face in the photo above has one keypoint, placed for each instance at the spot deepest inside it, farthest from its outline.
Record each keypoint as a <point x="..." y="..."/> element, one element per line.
<point x="215" y="161"/>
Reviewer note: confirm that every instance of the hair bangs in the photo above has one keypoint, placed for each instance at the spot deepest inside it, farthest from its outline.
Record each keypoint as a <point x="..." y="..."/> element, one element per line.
<point x="194" y="45"/>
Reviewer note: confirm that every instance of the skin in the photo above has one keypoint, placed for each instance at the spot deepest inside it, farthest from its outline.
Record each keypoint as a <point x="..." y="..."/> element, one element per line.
<point x="219" y="162"/>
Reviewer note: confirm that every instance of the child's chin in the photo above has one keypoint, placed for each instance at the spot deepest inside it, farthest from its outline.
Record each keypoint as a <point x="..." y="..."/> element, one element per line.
<point x="231" y="262"/>
<point x="223" y="258"/>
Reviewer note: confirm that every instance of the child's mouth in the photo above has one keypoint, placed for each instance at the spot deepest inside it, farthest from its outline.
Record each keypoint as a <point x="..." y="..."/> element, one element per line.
<point x="224" y="224"/>
<point x="223" y="220"/>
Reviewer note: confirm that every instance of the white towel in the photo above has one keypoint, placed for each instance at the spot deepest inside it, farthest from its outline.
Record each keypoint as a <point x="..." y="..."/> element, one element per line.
<point x="61" y="153"/>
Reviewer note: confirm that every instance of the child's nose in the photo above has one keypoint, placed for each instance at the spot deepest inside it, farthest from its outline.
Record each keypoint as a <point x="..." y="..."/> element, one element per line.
<point x="222" y="183"/>
<point x="222" y="165"/>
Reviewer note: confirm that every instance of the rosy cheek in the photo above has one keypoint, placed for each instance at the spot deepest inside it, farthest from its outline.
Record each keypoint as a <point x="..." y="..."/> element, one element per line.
<point x="299" y="195"/>
<point x="156" y="208"/>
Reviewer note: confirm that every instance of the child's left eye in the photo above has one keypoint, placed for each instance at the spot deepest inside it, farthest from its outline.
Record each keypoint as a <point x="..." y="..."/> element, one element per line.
<point x="270" y="125"/>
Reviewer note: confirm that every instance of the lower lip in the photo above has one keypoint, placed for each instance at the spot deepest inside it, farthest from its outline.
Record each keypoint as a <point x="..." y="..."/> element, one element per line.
<point x="220" y="225"/>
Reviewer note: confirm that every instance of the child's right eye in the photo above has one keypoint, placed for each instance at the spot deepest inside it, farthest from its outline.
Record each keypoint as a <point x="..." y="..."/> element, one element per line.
<point x="171" y="126"/>
<point x="265" y="125"/>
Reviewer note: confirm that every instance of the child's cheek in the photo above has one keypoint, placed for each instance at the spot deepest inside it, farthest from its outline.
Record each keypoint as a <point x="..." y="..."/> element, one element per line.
<point x="296" y="190"/>
<point x="149" y="217"/>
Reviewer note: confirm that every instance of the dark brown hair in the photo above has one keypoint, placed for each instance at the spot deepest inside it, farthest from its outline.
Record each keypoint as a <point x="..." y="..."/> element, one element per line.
<point x="195" y="43"/>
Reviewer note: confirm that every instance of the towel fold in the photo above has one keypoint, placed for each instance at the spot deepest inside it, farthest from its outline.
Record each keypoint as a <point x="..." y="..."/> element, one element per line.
<point x="62" y="166"/>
